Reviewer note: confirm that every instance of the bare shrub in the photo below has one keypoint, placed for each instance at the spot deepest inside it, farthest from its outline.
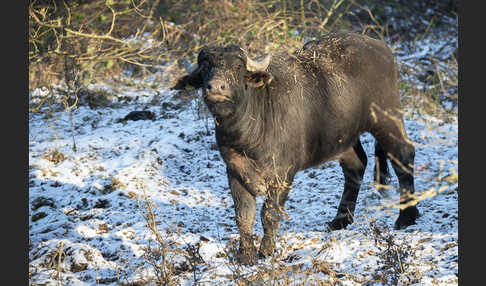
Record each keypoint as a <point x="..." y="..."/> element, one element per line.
<point x="394" y="259"/>
<point x="55" y="156"/>
<point x="167" y="259"/>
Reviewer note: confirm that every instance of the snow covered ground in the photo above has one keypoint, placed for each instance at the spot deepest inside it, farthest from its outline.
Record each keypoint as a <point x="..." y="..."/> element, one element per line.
<point x="88" y="207"/>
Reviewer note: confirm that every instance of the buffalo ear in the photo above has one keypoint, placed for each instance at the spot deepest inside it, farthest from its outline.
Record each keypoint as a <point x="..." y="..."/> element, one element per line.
<point x="181" y="83"/>
<point x="258" y="79"/>
<point x="193" y="80"/>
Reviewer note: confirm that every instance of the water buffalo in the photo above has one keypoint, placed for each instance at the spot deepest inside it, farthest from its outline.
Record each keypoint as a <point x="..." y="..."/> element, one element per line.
<point x="281" y="113"/>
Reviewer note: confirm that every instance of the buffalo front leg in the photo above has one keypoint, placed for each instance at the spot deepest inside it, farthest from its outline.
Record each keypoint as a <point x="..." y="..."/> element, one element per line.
<point x="353" y="163"/>
<point x="245" y="209"/>
<point x="271" y="214"/>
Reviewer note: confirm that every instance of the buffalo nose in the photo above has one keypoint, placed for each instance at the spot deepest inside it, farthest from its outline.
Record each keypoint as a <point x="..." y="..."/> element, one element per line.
<point x="216" y="86"/>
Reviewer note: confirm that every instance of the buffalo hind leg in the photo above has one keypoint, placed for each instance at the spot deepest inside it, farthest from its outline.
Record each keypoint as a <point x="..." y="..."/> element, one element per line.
<point x="245" y="210"/>
<point x="403" y="165"/>
<point x="381" y="171"/>
<point x="353" y="162"/>
<point x="271" y="215"/>
<point x="401" y="152"/>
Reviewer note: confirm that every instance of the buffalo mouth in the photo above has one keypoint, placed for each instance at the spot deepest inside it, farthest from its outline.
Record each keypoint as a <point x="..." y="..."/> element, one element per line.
<point x="214" y="97"/>
<point x="218" y="104"/>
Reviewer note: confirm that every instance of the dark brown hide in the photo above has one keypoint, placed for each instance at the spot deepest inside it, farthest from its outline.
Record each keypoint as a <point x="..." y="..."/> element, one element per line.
<point x="284" y="113"/>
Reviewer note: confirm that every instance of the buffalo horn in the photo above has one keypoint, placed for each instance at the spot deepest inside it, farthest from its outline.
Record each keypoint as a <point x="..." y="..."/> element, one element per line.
<point x="261" y="65"/>
<point x="189" y="68"/>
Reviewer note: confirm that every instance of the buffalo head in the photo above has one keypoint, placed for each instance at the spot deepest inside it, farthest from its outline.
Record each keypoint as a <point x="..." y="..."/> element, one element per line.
<point x="225" y="74"/>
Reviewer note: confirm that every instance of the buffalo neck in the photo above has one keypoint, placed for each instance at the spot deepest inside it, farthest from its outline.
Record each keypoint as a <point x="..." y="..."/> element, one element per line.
<point x="260" y="124"/>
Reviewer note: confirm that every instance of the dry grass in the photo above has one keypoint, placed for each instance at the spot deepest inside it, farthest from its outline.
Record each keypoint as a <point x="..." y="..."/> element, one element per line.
<point x="166" y="257"/>
<point x="55" y="156"/>
<point x="280" y="269"/>
<point x="77" y="44"/>
<point x="430" y="87"/>
<point x="73" y="44"/>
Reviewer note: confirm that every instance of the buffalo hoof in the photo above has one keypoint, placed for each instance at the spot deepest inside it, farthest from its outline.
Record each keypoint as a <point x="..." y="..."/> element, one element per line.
<point x="407" y="217"/>
<point x="339" y="223"/>
<point x="247" y="257"/>
<point x="247" y="253"/>
<point x="267" y="248"/>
